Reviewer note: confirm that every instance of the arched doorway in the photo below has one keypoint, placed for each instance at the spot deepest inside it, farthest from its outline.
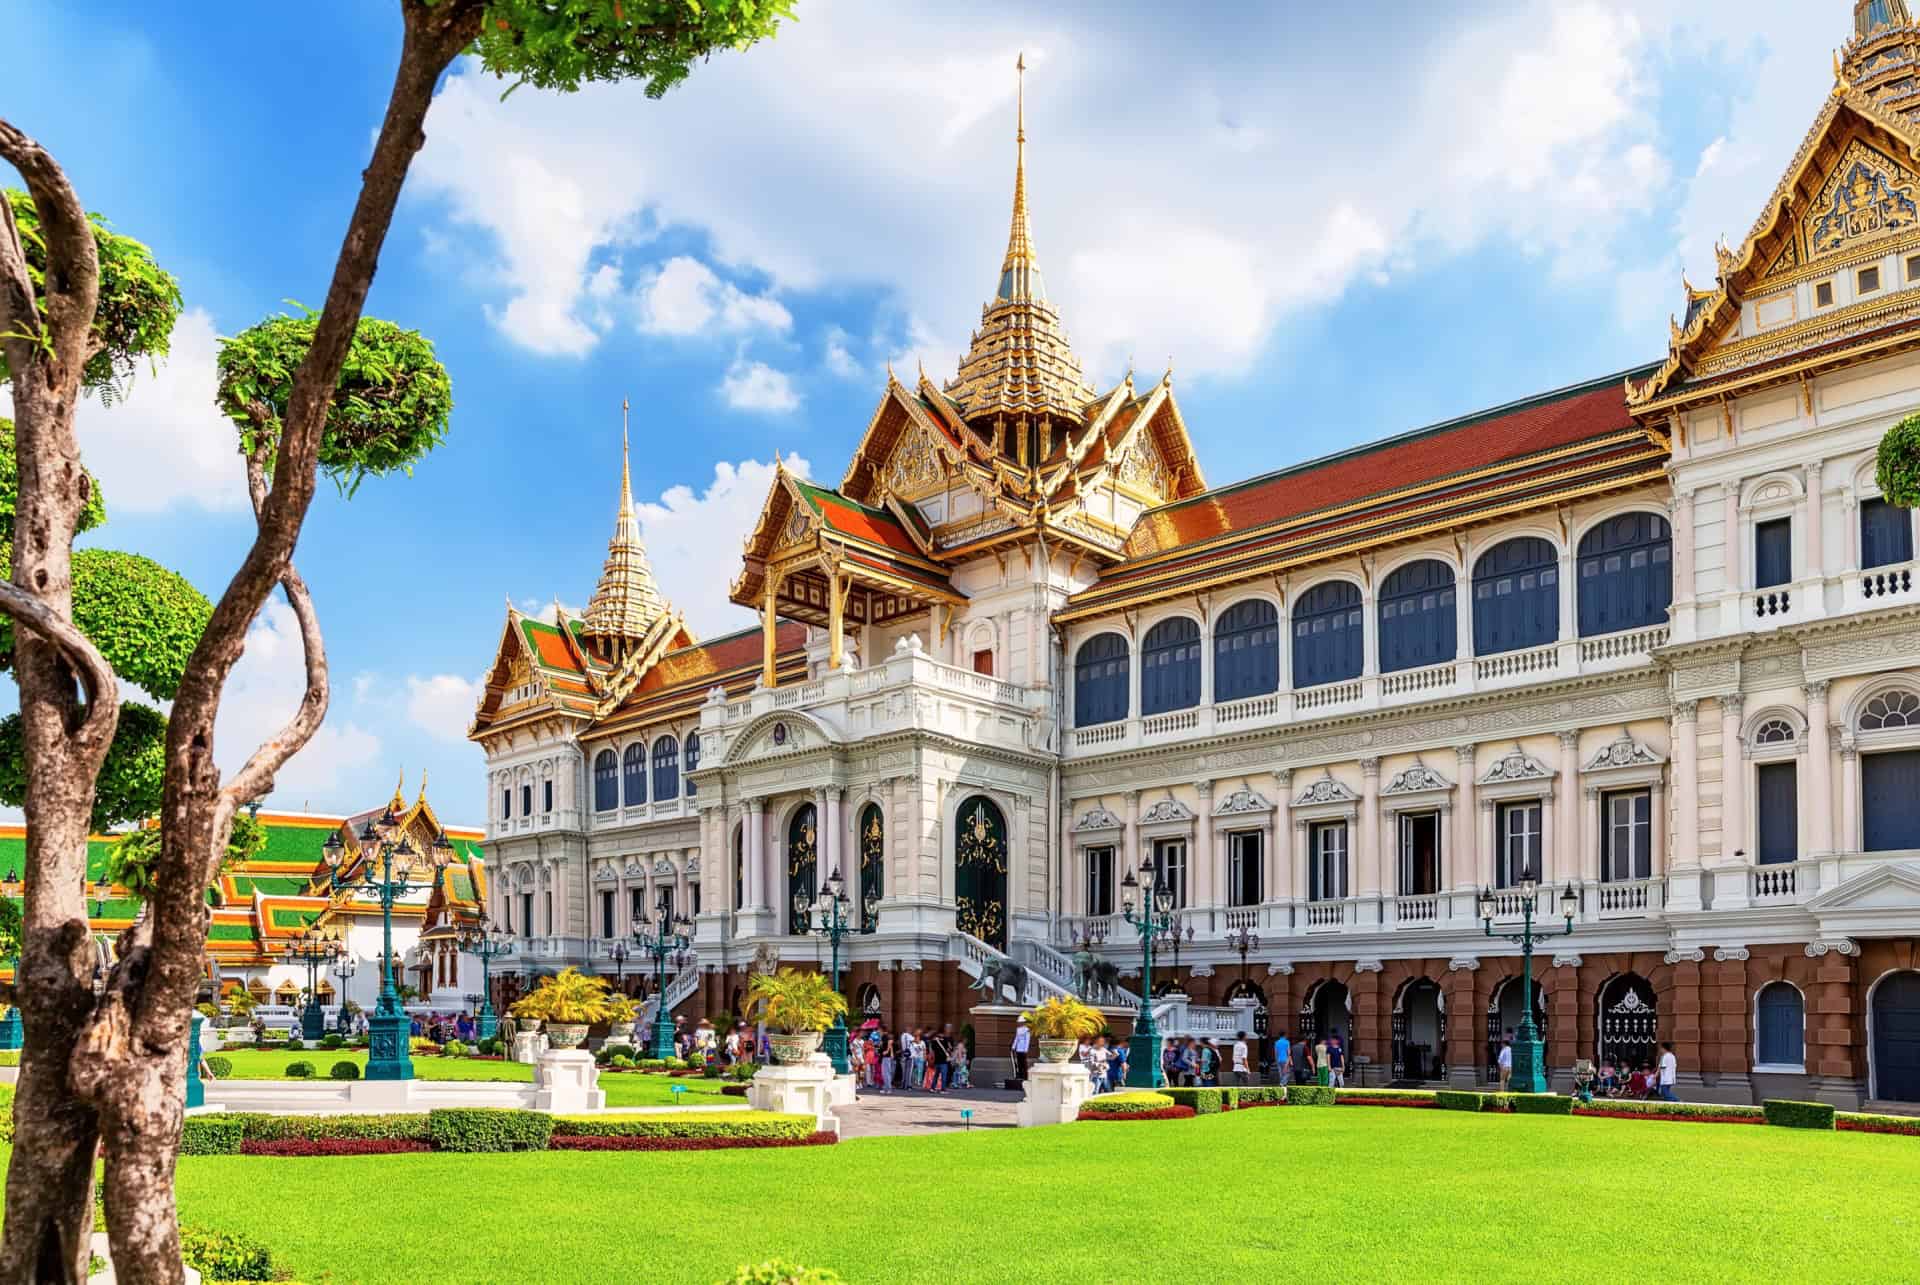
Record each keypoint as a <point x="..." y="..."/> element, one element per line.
<point x="1327" y="1010"/>
<point x="803" y="868"/>
<point x="1244" y="990"/>
<point x="1895" y="1014"/>
<point x="1629" y="1022"/>
<point x="980" y="871"/>
<point x="1420" y="1031"/>
<point x="1503" y="1015"/>
<point x="873" y="855"/>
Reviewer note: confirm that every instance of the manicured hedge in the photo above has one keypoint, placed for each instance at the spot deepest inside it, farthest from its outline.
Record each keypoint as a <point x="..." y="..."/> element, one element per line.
<point x="1383" y="1097"/>
<point x="706" y="1124"/>
<point x="6" y="1113"/>
<point x="1867" y="1122"/>
<point x="488" y="1129"/>
<point x="1466" y="1100"/>
<point x="344" y="1070"/>
<point x="1136" y="1103"/>
<point x="1162" y="1113"/>
<point x="1310" y="1095"/>
<point x="1709" y="1112"/>
<point x="1789" y="1114"/>
<point x="210" y="1135"/>
<point x="1263" y="1095"/>
<point x="334" y="1147"/>
<point x="218" y="1067"/>
<point x="820" y="1139"/>
<point x="260" y="1127"/>
<point x="1203" y="1101"/>
<point x="1540" y="1104"/>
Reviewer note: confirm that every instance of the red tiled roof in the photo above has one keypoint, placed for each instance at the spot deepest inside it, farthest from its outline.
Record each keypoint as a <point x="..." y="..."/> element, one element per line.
<point x="703" y="660"/>
<point x="871" y="525"/>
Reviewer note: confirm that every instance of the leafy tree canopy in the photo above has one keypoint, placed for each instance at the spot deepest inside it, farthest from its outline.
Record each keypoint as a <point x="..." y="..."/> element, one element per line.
<point x="131" y="778"/>
<point x="564" y="44"/>
<point x="144" y="618"/>
<point x="139" y="301"/>
<point x="1897" y="467"/>
<point x="92" y="516"/>
<point x="10" y="927"/>
<point x="389" y="409"/>
<point x="130" y="859"/>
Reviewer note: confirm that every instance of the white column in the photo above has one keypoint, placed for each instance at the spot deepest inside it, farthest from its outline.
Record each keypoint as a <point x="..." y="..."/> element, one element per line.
<point x="1551" y="863"/>
<point x="1569" y="846"/>
<point x="755" y="855"/>
<point x="837" y="844"/>
<point x="1849" y="794"/>
<point x="1730" y="545"/>
<point x="1207" y="881"/>
<point x="1130" y="850"/>
<point x="1686" y="786"/>
<point x="1658" y="840"/>
<point x="1733" y="795"/>
<point x="1816" y="523"/>
<point x="1489" y="844"/>
<point x="1590" y="800"/>
<point x="1683" y="538"/>
<point x="1463" y="620"/>
<point x="1818" y="809"/>
<point x="1467" y="855"/>
<point x="1569" y="622"/>
<point x="1369" y="630"/>
<point x="1279" y="873"/>
<point x="1368" y="873"/>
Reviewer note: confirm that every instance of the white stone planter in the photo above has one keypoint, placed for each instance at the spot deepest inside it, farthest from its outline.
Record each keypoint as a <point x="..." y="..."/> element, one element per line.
<point x="566" y="1035"/>
<point x="794" y="1049"/>
<point x="1057" y="1050"/>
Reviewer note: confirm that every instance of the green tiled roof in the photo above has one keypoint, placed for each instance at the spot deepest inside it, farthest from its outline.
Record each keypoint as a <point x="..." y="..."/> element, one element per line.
<point x="271" y="885"/>
<point x="288" y="917"/>
<point x="461" y="884"/>
<point x="13" y="856"/>
<point x="294" y="843"/>
<point x="230" y="932"/>
<point x="468" y="849"/>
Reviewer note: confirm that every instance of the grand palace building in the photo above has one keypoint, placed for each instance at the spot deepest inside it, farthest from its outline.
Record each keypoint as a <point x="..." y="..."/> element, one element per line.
<point x="1647" y="647"/>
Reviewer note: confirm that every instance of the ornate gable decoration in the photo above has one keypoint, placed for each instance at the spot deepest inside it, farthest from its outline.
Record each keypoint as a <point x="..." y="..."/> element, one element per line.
<point x="915" y="466"/>
<point x="1417" y="779"/>
<point x="1622" y="752"/>
<point x="661" y="866"/>
<point x="1167" y="810"/>
<point x="605" y="870"/>
<point x="1142" y="468"/>
<point x="1517" y="766"/>
<point x="1325" y="790"/>
<point x="1867" y="194"/>
<point x="1098" y="818"/>
<point x="1240" y="801"/>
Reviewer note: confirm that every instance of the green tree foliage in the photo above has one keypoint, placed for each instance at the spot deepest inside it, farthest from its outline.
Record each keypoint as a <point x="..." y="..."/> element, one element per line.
<point x="1897" y="467"/>
<point x="90" y="517"/>
<point x="10" y="927"/>
<point x="130" y="859"/>
<point x="564" y="44"/>
<point x="389" y="408"/>
<point x="139" y="300"/>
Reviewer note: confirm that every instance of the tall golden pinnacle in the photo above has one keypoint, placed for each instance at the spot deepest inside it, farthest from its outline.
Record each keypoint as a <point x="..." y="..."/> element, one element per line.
<point x="1870" y="16"/>
<point x="626" y="601"/>
<point x="1020" y="271"/>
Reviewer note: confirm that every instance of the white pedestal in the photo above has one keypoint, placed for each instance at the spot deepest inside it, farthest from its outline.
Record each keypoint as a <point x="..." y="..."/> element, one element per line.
<point x="567" y="1081"/>
<point x="806" y="1089"/>
<point x="1055" y="1091"/>
<point x="529" y="1045"/>
<point x="380" y="1096"/>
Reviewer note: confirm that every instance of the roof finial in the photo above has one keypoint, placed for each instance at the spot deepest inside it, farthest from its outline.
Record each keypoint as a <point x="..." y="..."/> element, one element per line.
<point x="1020" y="272"/>
<point x="626" y="473"/>
<point x="423" y="785"/>
<point x="1870" y="16"/>
<point x="400" y="789"/>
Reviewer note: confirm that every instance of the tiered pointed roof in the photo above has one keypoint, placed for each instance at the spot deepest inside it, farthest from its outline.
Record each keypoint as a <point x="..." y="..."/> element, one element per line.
<point x="627" y="602"/>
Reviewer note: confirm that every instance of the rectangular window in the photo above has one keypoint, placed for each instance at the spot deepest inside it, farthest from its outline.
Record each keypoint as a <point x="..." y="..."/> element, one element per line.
<point x="547" y="906"/>
<point x="1170" y="868"/>
<point x="1886" y="534"/>
<point x="606" y="915"/>
<point x="637" y="903"/>
<point x="526" y="800"/>
<point x="526" y="915"/>
<point x="547" y="803"/>
<point x="1890" y="800"/>
<point x="693" y="890"/>
<point x="1777" y="799"/>
<point x="506" y="805"/>
<point x="1100" y="880"/>
<point x="1244" y="850"/>
<point x="666" y="904"/>
<point x="1823" y="294"/>
<point x="1327" y="861"/>
<point x="1419" y="854"/>
<point x="983" y="662"/>
<point x="1516" y="843"/>
<point x="1772" y="553"/>
<point x="1867" y="281"/>
<point x="1626" y="838"/>
<point x="1913" y="268"/>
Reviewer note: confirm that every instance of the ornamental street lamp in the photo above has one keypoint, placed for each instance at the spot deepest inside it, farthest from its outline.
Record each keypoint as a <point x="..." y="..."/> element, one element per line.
<point x="315" y="951"/>
<point x="834" y="925"/>
<point x="12" y="1033"/>
<point x="1154" y="916"/>
<point x="663" y="938"/>
<point x="1243" y="942"/>
<point x="1528" y="1075"/>
<point x="617" y="951"/>
<point x="388" y="1028"/>
<point x="344" y="968"/>
<point x="488" y="943"/>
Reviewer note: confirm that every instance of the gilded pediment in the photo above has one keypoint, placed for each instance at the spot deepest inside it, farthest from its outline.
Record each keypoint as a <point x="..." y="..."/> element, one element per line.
<point x="1865" y="196"/>
<point x="1142" y="469"/>
<point x="914" y="467"/>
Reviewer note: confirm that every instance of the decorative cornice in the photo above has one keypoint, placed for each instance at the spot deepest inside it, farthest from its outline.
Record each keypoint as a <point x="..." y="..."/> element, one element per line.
<point x="1685" y="956"/>
<point x="1622" y="751"/>
<point x="1516" y="765"/>
<point x="1417" y="779"/>
<point x="1326" y="790"/>
<point x="1567" y="961"/>
<point x="1464" y="964"/>
<point x="1098" y="818"/>
<point x="1838" y="945"/>
<point x="1166" y="810"/>
<point x="1729" y="954"/>
<point x="1241" y="800"/>
<point x="1279" y="970"/>
<point x="1368" y="966"/>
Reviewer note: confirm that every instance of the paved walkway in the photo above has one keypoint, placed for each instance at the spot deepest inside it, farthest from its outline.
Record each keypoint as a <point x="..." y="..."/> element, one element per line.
<point x="904" y="1114"/>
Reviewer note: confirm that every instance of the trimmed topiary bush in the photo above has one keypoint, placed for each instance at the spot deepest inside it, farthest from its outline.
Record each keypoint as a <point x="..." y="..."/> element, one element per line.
<point x="453" y="1048"/>
<point x="1798" y="1115"/>
<point x="1463" y="1100"/>
<point x="293" y="1045"/>
<point x="1132" y="1103"/>
<point x="621" y="1062"/>
<point x="610" y="1051"/>
<point x="1310" y="1095"/>
<point x="1540" y="1104"/>
<point x="1383" y="1097"/>
<point x="717" y="1124"/>
<point x="302" y="1070"/>
<point x="344" y="1070"/>
<point x="333" y="1041"/>
<point x="210" y="1135"/>
<point x="1708" y="1112"/>
<point x="218" y="1067"/>
<point x="1203" y="1101"/>
<point x="257" y="1126"/>
<point x="1867" y="1122"/>
<point x="778" y="1271"/>
<point x="488" y="1129"/>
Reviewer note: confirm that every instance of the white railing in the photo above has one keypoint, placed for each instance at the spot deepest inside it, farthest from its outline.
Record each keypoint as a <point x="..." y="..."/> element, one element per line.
<point x="984" y="685"/>
<point x="1416" y="912"/>
<point x="1629" y="645"/>
<point x="1242" y="711"/>
<point x="1627" y="899"/>
<point x="1508" y="904"/>
<point x="1325" y="916"/>
<point x="1329" y="694"/>
<point x="972" y="955"/>
<point x="1100" y="734"/>
<point x="1769" y="604"/>
<point x="1518" y="664"/>
<point x="1242" y="917"/>
<point x="1179" y="720"/>
<point x="805" y="694"/>
<point x="681" y="985"/>
<point x="1058" y="968"/>
<point x="1774" y="883"/>
<point x="1880" y="585"/>
<point x="1407" y="682"/>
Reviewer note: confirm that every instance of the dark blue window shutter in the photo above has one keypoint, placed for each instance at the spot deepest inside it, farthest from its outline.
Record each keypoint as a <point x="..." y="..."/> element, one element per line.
<point x="1417" y="616"/>
<point x="1886" y="534"/>
<point x="606" y="781"/>
<point x="1781" y="1018"/>
<point x="1328" y="645"/>
<point x="1890" y="800"/>
<point x="1625" y="574"/>
<point x="1100" y="681"/>
<point x="1778" y="791"/>
<point x="666" y="769"/>
<point x="634" y="770"/>
<point x="693" y="760"/>
<point x="1246" y="651"/>
<point x="1516" y="596"/>
<point x="1170" y="666"/>
<point x="1772" y="553"/>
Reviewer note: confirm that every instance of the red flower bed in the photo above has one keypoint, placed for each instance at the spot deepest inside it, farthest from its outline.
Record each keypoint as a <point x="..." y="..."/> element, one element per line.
<point x="686" y="1144"/>
<point x="1876" y="1126"/>
<point x="1382" y="1102"/>
<point x="1248" y="1106"/>
<point x="1604" y="1114"/>
<point x="334" y="1146"/>
<point x="1164" y="1113"/>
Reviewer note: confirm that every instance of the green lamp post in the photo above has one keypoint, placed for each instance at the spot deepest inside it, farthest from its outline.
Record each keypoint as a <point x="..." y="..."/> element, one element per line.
<point x="1153" y="916"/>
<point x="489" y="944"/>
<point x="834" y="925"/>
<point x="1529" y="1076"/>
<point x="345" y="965"/>
<point x="388" y="1029"/>
<point x="664" y="937"/>
<point x="315" y="951"/>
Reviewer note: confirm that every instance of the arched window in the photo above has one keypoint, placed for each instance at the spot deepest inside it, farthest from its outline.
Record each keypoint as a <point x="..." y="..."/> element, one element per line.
<point x="1780" y="1021"/>
<point x="666" y="769"/>
<point x="871" y="841"/>
<point x="980" y="870"/>
<point x="1170" y="666"/>
<point x="692" y="757"/>
<point x="1100" y="681"/>
<point x="1417" y="616"/>
<point x="1775" y="731"/>
<point x="606" y="781"/>
<point x="1898" y="708"/>
<point x="739" y="869"/>
<point x="803" y="869"/>
<point x="1626" y="574"/>
<point x="1327" y="637"/>
<point x="634" y="769"/>
<point x="1246" y="651"/>
<point x="1516" y="597"/>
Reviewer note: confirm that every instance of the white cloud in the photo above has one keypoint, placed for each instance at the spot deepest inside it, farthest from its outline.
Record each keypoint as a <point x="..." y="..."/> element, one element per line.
<point x="684" y="297"/>
<point x="263" y="693"/>
<point x="166" y="445"/>
<point x="756" y="386"/>
<point x="694" y="540"/>
<point x="839" y="356"/>
<point x="549" y="609"/>
<point x="442" y="706"/>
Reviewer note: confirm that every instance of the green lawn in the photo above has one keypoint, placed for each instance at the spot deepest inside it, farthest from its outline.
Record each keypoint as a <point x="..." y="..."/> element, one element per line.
<point x="623" y="1089"/>
<point x="1348" y="1193"/>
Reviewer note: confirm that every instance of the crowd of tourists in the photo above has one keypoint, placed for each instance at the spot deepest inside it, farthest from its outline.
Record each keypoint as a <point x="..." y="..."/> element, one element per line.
<point x="923" y="1059"/>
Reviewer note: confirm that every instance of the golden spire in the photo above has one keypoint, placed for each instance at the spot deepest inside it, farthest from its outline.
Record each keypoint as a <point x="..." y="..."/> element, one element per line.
<point x="626" y="602"/>
<point x="1020" y="271"/>
<point x="1870" y="16"/>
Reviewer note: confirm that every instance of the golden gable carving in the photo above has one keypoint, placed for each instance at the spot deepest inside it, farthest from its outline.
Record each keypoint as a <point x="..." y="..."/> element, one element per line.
<point x="1866" y="195"/>
<point x="914" y="467"/>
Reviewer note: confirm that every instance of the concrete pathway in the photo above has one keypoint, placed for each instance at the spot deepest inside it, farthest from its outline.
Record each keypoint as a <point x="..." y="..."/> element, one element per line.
<point x="904" y="1114"/>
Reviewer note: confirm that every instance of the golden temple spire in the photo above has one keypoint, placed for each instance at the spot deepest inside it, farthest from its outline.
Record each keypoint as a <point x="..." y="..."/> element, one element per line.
<point x="1870" y="16"/>
<point x="1020" y="271"/>
<point x="626" y="602"/>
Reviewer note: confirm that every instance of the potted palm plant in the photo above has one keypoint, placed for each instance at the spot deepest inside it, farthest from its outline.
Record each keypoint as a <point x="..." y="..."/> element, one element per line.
<point x="570" y="1003"/>
<point x="1059" y="1024"/>
<point x="797" y="1008"/>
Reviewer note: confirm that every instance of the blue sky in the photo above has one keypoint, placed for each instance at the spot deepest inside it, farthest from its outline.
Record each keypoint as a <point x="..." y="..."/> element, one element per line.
<point x="1338" y="225"/>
